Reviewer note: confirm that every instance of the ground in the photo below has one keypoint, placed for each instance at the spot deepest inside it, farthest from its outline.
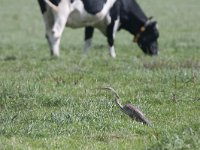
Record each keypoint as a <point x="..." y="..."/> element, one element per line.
<point x="48" y="103"/>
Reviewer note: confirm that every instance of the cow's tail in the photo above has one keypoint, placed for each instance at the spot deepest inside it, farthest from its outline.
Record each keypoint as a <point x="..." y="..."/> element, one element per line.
<point x="51" y="5"/>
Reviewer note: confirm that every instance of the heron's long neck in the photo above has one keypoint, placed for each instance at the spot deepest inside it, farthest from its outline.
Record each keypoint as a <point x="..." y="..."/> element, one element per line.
<point x="118" y="103"/>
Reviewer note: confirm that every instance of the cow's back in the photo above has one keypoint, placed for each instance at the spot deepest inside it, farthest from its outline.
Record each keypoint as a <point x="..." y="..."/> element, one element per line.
<point x="85" y="13"/>
<point x="93" y="6"/>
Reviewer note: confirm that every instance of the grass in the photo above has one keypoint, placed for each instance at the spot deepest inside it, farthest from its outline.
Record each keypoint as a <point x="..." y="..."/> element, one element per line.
<point x="50" y="103"/>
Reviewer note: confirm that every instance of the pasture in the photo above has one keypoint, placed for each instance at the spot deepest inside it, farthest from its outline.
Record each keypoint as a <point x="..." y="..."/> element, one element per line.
<point x="48" y="103"/>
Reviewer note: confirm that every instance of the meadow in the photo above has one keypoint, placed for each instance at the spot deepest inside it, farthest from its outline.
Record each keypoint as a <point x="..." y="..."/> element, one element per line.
<point x="48" y="103"/>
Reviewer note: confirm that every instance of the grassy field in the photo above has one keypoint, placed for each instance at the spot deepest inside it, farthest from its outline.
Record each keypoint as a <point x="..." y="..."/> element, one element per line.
<point x="50" y="103"/>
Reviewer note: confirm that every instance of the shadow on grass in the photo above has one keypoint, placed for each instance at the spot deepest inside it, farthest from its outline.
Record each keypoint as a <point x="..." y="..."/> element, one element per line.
<point x="10" y="58"/>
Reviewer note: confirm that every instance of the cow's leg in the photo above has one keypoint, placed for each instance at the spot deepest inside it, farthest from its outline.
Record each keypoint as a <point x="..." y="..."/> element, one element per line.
<point x="110" y="39"/>
<point x="49" y="22"/>
<point x="55" y="18"/>
<point x="111" y="31"/>
<point x="54" y="43"/>
<point x="88" y="39"/>
<point x="53" y="40"/>
<point x="55" y="34"/>
<point x="60" y="16"/>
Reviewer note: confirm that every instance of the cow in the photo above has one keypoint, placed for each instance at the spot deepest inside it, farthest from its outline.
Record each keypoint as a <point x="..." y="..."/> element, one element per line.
<point x="109" y="16"/>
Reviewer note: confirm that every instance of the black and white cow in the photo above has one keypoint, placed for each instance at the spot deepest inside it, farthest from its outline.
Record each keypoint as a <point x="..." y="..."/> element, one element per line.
<point x="108" y="16"/>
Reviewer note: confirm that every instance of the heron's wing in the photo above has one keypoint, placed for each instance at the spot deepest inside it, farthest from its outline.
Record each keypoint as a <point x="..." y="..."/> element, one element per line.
<point x="136" y="114"/>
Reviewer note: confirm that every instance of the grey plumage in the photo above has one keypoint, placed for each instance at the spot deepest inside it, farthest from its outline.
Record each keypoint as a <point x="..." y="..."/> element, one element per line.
<point x="132" y="111"/>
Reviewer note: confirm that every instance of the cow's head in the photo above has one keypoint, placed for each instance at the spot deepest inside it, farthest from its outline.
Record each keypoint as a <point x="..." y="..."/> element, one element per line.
<point x="147" y="38"/>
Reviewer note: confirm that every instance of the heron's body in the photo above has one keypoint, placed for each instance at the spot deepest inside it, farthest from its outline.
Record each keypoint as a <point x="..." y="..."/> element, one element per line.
<point x="132" y="111"/>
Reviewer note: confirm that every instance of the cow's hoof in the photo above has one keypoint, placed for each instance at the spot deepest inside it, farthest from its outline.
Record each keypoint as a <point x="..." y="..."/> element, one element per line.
<point x="55" y="55"/>
<point x="113" y="54"/>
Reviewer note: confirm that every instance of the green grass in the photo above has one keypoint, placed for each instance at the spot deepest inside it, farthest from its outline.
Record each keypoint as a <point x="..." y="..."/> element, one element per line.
<point x="50" y="103"/>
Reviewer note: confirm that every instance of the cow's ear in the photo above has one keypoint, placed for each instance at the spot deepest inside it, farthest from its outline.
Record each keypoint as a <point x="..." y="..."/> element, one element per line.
<point x="153" y="24"/>
<point x="150" y="18"/>
<point x="149" y="21"/>
<point x="157" y="25"/>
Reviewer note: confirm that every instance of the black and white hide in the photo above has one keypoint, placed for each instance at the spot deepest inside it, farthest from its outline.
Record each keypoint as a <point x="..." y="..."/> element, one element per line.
<point x="108" y="16"/>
